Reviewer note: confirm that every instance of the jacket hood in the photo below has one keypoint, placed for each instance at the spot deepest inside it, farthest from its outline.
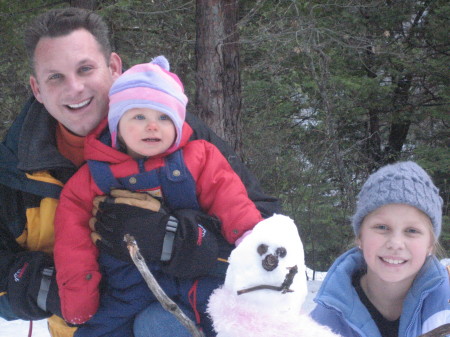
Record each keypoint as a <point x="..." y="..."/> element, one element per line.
<point x="98" y="145"/>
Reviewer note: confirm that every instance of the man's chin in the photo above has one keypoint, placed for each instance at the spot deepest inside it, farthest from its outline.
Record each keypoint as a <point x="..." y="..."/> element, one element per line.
<point x="81" y="130"/>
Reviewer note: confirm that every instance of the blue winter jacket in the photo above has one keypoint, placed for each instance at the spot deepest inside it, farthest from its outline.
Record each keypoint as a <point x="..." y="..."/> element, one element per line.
<point x="426" y="305"/>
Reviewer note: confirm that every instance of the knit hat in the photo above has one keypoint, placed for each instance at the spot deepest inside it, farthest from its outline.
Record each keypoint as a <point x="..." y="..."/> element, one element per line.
<point x="400" y="183"/>
<point x="148" y="85"/>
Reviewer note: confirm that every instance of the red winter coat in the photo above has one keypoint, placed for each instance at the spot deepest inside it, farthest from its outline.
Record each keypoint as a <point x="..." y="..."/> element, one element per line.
<point x="219" y="190"/>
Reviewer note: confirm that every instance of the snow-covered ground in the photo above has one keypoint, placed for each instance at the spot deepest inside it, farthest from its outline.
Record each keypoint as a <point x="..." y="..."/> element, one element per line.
<point x="20" y="328"/>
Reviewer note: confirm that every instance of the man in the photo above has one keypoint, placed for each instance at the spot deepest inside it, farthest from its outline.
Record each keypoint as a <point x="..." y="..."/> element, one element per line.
<point x="72" y="70"/>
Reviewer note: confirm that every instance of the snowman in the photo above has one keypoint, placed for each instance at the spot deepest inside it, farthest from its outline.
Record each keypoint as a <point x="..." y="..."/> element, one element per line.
<point x="265" y="286"/>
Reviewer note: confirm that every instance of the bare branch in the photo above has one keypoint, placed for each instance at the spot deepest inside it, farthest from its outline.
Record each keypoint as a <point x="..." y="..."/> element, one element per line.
<point x="159" y="293"/>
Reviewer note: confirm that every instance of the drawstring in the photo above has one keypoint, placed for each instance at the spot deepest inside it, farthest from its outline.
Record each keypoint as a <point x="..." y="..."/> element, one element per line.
<point x="30" y="329"/>
<point x="192" y="295"/>
<point x="200" y="235"/>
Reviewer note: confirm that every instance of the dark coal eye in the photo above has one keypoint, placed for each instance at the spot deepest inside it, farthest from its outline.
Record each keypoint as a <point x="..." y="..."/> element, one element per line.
<point x="281" y="252"/>
<point x="262" y="249"/>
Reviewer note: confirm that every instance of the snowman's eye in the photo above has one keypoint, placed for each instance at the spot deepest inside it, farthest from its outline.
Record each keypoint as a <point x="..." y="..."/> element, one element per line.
<point x="262" y="249"/>
<point x="281" y="252"/>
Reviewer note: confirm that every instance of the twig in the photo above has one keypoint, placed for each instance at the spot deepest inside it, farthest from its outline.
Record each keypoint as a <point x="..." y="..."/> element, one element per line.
<point x="261" y="287"/>
<point x="440" y="331"/>
<point x="165" y="301"/>
<point x="284" y="288"/>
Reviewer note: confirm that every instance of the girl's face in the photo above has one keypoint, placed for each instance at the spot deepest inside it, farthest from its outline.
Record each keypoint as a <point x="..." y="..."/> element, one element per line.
<point x="146" y="132"/>
<point x="395" y="240"/>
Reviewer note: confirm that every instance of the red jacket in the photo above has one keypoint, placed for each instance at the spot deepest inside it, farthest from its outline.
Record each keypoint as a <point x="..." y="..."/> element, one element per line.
<point x="219" y="190"/>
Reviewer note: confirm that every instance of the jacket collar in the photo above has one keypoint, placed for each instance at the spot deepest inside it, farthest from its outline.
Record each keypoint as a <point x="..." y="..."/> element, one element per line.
<point x="432" y="279"/>
<point x="37" y="143"/>
<point x="337" y="292"/>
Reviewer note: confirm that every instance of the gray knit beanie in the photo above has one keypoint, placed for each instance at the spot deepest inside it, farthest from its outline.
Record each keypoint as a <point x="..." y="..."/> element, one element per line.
<point x="400" y="183"/>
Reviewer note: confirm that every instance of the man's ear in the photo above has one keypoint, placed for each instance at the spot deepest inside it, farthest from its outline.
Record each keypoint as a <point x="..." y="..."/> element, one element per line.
<point x="115" y="65"/>
<point x="35" y="88"/>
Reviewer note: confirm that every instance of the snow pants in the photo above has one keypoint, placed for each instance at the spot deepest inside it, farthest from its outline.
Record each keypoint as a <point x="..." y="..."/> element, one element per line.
<point x="124" y="295"/>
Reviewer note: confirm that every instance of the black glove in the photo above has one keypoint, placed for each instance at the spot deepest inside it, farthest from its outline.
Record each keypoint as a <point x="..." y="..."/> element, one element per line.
<point x="195" y="249"/>
<point x="114" y="220"/>
<point x="184" y="242"/>
<point x="32" y="287"/>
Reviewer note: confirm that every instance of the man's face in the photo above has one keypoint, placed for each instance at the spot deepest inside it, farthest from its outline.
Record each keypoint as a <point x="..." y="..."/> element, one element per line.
<point x="72" y="79"/>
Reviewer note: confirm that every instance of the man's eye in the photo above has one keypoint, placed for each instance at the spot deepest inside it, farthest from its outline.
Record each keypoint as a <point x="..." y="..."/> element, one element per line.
<point x="54" y="77"/>
<point x="85" y="69"/>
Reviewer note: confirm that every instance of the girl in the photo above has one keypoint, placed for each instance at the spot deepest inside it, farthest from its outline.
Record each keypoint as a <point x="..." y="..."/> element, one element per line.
<point x="391" y="284"/>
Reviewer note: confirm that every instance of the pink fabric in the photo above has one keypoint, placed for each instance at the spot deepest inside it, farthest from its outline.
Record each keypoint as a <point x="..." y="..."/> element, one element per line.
<point x="238" y="241"/>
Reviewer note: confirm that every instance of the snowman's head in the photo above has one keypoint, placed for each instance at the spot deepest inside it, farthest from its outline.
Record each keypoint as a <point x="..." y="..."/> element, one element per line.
<point x="267" y="267"/>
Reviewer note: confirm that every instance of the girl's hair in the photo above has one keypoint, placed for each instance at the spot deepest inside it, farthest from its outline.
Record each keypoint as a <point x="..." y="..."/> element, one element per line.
<point x="438" y="250"/>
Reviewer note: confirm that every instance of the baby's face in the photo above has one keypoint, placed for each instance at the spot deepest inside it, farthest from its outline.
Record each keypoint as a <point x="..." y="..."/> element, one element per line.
<point x="146" y="132"/>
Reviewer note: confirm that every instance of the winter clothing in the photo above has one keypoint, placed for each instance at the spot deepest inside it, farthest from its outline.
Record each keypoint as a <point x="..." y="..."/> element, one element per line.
<point x="219" y="190"/>
<point x="148" y="85"/>
<point x="156" y="321"/>
<point x="186" y="240"/>
<point x="425" y="307"/>
<point x="125" y="294"/>
<point x="32" y="173"/>
<point x="400" y="183"/>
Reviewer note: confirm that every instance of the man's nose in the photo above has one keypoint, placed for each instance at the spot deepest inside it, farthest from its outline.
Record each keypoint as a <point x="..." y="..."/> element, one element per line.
<point x="75" y="83"/>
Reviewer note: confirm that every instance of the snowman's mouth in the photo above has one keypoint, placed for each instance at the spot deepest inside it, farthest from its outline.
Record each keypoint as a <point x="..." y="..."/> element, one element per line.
<point x="284" y="288"/>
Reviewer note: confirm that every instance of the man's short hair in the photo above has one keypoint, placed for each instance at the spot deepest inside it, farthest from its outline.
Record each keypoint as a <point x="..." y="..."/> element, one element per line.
<point x="63" y="21"/>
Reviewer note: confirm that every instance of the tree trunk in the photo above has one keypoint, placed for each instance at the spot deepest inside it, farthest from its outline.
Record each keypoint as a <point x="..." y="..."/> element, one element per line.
<point x="218" y="96"/>
<point x="374" y="136"/>
<point x="87" y="4"/>
<point x="401" y="120"/>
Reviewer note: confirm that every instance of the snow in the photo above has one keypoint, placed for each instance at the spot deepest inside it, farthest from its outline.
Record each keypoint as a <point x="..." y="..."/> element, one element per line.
<point x="20" y="328"/>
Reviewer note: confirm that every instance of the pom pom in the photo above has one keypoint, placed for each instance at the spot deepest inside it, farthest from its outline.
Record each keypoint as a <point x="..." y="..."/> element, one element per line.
<point x="162" y="62"/>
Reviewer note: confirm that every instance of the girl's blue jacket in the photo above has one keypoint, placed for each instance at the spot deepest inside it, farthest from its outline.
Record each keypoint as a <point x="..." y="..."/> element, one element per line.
<point x="426" y="305"/>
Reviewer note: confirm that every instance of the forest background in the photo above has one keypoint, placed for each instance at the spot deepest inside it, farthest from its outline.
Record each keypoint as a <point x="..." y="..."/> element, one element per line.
<point x="313" y="95"/>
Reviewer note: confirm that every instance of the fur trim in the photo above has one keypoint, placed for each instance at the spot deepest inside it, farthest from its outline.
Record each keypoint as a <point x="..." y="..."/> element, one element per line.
<point x="234" y="317"/>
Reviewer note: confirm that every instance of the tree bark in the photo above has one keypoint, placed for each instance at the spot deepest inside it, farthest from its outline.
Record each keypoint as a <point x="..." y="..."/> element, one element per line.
<point x="401" y="120"/>
<point x="374" y="136"/>
<point x="218" y="96"/>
